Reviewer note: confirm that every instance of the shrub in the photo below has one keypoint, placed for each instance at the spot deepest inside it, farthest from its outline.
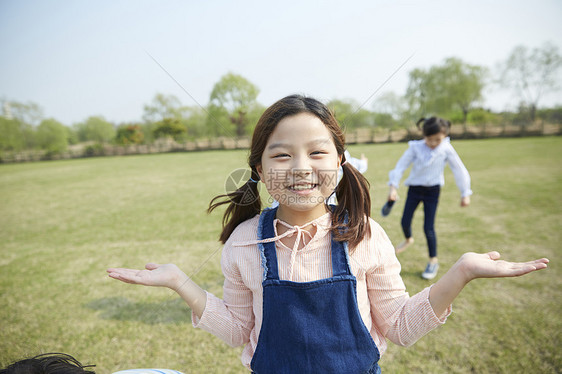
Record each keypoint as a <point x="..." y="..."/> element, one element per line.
<point x="170" y="127"/>
<point x="129" y="134"/>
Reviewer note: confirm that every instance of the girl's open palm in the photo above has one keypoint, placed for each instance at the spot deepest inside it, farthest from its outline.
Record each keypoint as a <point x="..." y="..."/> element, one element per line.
<point x="154" y="275"/>
<point x="488" y="265"/>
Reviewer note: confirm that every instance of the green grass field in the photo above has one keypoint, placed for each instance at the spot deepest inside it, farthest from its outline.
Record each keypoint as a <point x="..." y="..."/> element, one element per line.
<point x="63" y="223"/>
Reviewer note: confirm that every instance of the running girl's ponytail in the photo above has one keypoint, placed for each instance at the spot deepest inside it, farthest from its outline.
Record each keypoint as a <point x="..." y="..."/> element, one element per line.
<point x="433" y="125"/>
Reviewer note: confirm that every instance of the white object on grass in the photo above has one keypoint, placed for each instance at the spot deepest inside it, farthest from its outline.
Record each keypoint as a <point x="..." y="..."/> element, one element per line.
<point x="148" y="371"/>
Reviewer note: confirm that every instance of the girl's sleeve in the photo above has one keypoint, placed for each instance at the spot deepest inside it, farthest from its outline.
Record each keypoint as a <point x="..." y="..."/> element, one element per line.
<point x="462" y="178"/>
<point x="403" y="163"/>
<point x="397" y="316"/>
<point x="230" y="319"/>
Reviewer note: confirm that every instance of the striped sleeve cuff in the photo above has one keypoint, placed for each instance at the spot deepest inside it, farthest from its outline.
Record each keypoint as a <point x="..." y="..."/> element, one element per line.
<point x="437" y="320"/>
<point x="210" y="306"/>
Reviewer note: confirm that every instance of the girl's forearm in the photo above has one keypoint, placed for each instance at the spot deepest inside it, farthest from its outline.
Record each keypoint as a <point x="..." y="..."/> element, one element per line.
<point x="446" y="289"/>
<point x="192" y="294"/>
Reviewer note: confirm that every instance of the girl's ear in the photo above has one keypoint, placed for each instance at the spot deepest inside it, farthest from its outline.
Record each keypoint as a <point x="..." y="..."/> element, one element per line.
<point x="259" y="169"/>
<point x="340" y="157"/>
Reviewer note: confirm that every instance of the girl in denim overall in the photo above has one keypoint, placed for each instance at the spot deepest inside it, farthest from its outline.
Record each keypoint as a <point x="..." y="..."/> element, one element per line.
<point x="312" y="288"/>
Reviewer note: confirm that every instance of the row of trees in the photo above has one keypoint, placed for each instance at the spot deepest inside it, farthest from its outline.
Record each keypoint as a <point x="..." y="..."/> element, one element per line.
<point x="453" y="89"/>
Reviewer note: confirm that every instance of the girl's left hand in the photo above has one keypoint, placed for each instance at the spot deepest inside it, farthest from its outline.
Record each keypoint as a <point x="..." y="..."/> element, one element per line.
<point x="476" y="265"/>
<point x="488" y="265"/>
<point x="465" y="201"/>
<point x="392" y="193"/>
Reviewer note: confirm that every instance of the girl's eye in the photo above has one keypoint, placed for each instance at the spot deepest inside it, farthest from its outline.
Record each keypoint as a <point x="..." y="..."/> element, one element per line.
<point x="315" y="153"/>
<point x="281" y="155"/>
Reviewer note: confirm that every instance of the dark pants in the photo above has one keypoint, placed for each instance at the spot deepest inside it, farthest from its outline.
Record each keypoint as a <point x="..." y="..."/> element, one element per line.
<point x="430" y="197"/>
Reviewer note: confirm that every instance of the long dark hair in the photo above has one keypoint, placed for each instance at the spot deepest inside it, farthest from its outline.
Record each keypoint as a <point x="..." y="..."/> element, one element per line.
<point x="48" y="363"/>
<point x="433" y="125"/>
<point x="352" y="191"/>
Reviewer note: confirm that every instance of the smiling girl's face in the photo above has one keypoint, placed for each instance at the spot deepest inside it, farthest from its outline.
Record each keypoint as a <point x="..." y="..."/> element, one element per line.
<point x="299" y="167"/>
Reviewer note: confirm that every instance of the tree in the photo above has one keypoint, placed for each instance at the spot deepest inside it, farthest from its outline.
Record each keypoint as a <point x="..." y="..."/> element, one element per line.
<point x="390" y="103"/>
<point x="164" y="106"/>
<point x="129" y="134"/>
<point x="30" y="113"/>
<point x="551" y="115"/>
<point x="52" y="136"/>
<point x="415" y="94"/>
<point x="196" y="123"/>
<point x="71" y="135"/>
<point x="11" y="137"/>
<point x="193" y="118"/>
<point x="25" y="117"/>
<point x="455" y="85"/>
<point x="171" y="127"/>
<point x="389" y="110"/>
<point x="531" y="73"/>
<point x="97" y="129"/>
<point x="481" y="116"/>
<point x="232" y="101"/>
<point x="349" y="114"/>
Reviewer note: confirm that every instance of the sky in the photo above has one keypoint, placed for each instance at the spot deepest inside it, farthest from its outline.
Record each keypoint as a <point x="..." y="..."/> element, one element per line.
<point x="76" y="58"/>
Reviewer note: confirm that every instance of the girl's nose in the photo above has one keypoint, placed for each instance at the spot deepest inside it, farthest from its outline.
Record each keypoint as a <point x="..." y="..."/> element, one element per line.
<point x="301" y="166"/>
<point x="301" y="173"/>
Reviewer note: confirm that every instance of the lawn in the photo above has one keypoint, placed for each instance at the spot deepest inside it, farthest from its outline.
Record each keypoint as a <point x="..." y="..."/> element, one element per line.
<point x="62" y="223"/>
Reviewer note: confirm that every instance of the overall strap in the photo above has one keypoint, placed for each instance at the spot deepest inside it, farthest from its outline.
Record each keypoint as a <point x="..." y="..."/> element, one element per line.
<point x="340" y="254"/>
<point x="340" y="258"/>
<point x="267" y="250"/>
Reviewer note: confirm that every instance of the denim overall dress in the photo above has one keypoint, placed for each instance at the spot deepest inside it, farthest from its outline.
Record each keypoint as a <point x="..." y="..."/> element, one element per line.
<point x="311" y="327"/>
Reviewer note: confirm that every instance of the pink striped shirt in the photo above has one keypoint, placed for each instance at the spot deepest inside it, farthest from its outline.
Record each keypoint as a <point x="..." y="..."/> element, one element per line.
<point x="384" y="305"/>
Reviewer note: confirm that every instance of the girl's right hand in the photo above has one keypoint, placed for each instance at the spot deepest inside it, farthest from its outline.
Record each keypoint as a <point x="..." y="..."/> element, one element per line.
<point x="168" y="275"/>
<point x="392" y="194"/>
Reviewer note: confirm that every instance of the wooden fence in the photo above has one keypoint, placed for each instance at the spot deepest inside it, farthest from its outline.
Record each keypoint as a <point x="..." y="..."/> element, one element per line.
<point x="359" y="136"/>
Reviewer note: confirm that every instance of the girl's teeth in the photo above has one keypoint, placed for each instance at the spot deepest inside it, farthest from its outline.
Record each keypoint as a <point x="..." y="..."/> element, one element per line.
<point x="302" y="187"/>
